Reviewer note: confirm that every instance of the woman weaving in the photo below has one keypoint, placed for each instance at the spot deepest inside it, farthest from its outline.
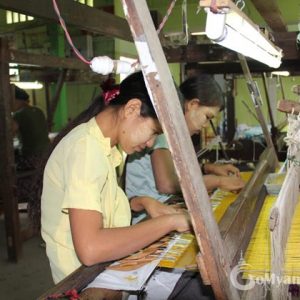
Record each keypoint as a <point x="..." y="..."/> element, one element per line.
<point x="150" y="174"/>
<point x="85" y="216"/>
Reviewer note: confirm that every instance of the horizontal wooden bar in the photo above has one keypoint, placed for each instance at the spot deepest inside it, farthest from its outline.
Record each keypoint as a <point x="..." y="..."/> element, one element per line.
<point x="73" y="13"/>
<point x="25" y="58"/>
<point x="78" y="280"/>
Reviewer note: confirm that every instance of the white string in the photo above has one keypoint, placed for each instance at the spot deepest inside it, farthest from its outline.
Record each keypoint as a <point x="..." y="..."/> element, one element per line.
<point x="292" y="138"/>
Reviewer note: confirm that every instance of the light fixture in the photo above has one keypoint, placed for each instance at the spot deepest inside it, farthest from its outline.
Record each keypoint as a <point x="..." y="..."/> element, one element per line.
<point x="281" y="73"/>
<point x="229" y="27"/>
<point x="35" y="85"/>
<point x="198" y="33"/>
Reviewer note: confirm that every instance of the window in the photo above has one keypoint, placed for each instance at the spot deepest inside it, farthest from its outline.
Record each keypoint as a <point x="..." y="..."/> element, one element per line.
<point x="87" y="2"/>
<point x="14" y="17"/>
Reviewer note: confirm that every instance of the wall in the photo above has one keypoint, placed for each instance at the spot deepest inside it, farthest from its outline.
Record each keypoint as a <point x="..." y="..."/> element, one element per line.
<point x="242" y="93"/>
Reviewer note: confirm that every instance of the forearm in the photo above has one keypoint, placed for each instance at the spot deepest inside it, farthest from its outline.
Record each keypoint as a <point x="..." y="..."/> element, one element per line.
<point x="166" y="180"/>
<point x="211" y="182"/>
<point x="221" y="169"/>
<point x="114" y="243"/>
<point x="139" y="203"/>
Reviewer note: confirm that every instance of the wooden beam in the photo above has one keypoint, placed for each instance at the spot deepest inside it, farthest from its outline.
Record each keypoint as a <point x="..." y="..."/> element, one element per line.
<point x="161" y="87"/>
<point x="197" y="52"/>
<point x="270" y="11"/>
<point x="77" y="280"/>
<point x="215" y="58"/>
<point x="81" y="16"/>
<point x="293" y="66"/>
<point x="56" y="97"/>
<point x="10" y="29"/>
<point x="47" y="99"/>
<point x="49" y="61"/>
<point x="7" y="161"/>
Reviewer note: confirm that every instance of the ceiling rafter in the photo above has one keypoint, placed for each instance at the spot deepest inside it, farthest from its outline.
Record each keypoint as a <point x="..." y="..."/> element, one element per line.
<point x="270" y="11"/>
<point x="76" y="14"/>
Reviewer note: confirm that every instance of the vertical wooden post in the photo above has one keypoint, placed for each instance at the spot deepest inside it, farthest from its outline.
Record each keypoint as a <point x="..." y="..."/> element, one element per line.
<point x="230" y="111"/>
<point x="274" y="131"/>
<point x="213" y="262"/>
<point x="48" y="106"/>
<point x="55" y="98"/>
<point x="256" y="98"/>
<point x="7" y="169"/>
<point x="33" y="98"/>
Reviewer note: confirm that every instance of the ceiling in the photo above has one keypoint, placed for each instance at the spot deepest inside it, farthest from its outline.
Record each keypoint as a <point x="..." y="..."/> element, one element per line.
<point x="282" y="17"/>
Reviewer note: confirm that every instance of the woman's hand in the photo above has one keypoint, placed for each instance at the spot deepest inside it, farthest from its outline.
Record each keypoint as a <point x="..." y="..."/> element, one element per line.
<point x="231" y="183"/>
<point x="222" y="170"/>
<point x="153" y="207"/>
<point x="182" y="221"/>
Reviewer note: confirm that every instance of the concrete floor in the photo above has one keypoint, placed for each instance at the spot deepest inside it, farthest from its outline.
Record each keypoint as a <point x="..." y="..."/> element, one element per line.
<point x="30" y="276"/>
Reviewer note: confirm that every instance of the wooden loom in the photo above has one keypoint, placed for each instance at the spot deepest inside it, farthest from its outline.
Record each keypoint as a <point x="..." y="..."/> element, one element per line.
<point x="237" y="223"/>
<point x="220" y="245"/>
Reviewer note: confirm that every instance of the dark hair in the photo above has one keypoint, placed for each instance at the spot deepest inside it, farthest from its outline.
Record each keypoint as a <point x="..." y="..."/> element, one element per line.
<point x="131" y="87"/>
<point x="204" y="88"/>
<point x="20" y="94"/>
<point x="192" y="66"/>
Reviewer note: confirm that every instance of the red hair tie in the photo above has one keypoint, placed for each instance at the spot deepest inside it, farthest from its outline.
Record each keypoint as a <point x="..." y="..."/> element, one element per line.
<point x="110" y="95"/>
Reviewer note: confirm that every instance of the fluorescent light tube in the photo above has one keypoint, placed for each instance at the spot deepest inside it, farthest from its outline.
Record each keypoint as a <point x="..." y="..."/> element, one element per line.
<point x="232" y="29"/>
<point x="281" y="73"/>
<point x="35" y="85"/>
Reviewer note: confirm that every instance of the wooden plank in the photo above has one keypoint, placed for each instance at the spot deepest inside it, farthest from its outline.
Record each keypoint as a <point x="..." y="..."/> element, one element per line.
<point x="7" y="162"/>
<point x="78" y="280"/>
<point x="289" y="106"/>
<point x="161" y="87"/>
<point x="81" y="16"/>
<point x="239" y="220"/>
<point x="270" y="11"/>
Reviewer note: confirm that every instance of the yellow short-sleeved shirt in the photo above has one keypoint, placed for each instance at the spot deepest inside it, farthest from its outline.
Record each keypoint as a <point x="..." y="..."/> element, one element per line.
<point x="80" y="173"/>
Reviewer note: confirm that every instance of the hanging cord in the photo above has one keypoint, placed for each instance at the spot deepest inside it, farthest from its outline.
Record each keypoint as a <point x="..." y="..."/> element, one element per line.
<point x="76" y="51"/>
<point x="165" y="18"/>
<point x="292" y="138"/>
<point x="63" y="25"/>
<point x="160" y="27"/>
